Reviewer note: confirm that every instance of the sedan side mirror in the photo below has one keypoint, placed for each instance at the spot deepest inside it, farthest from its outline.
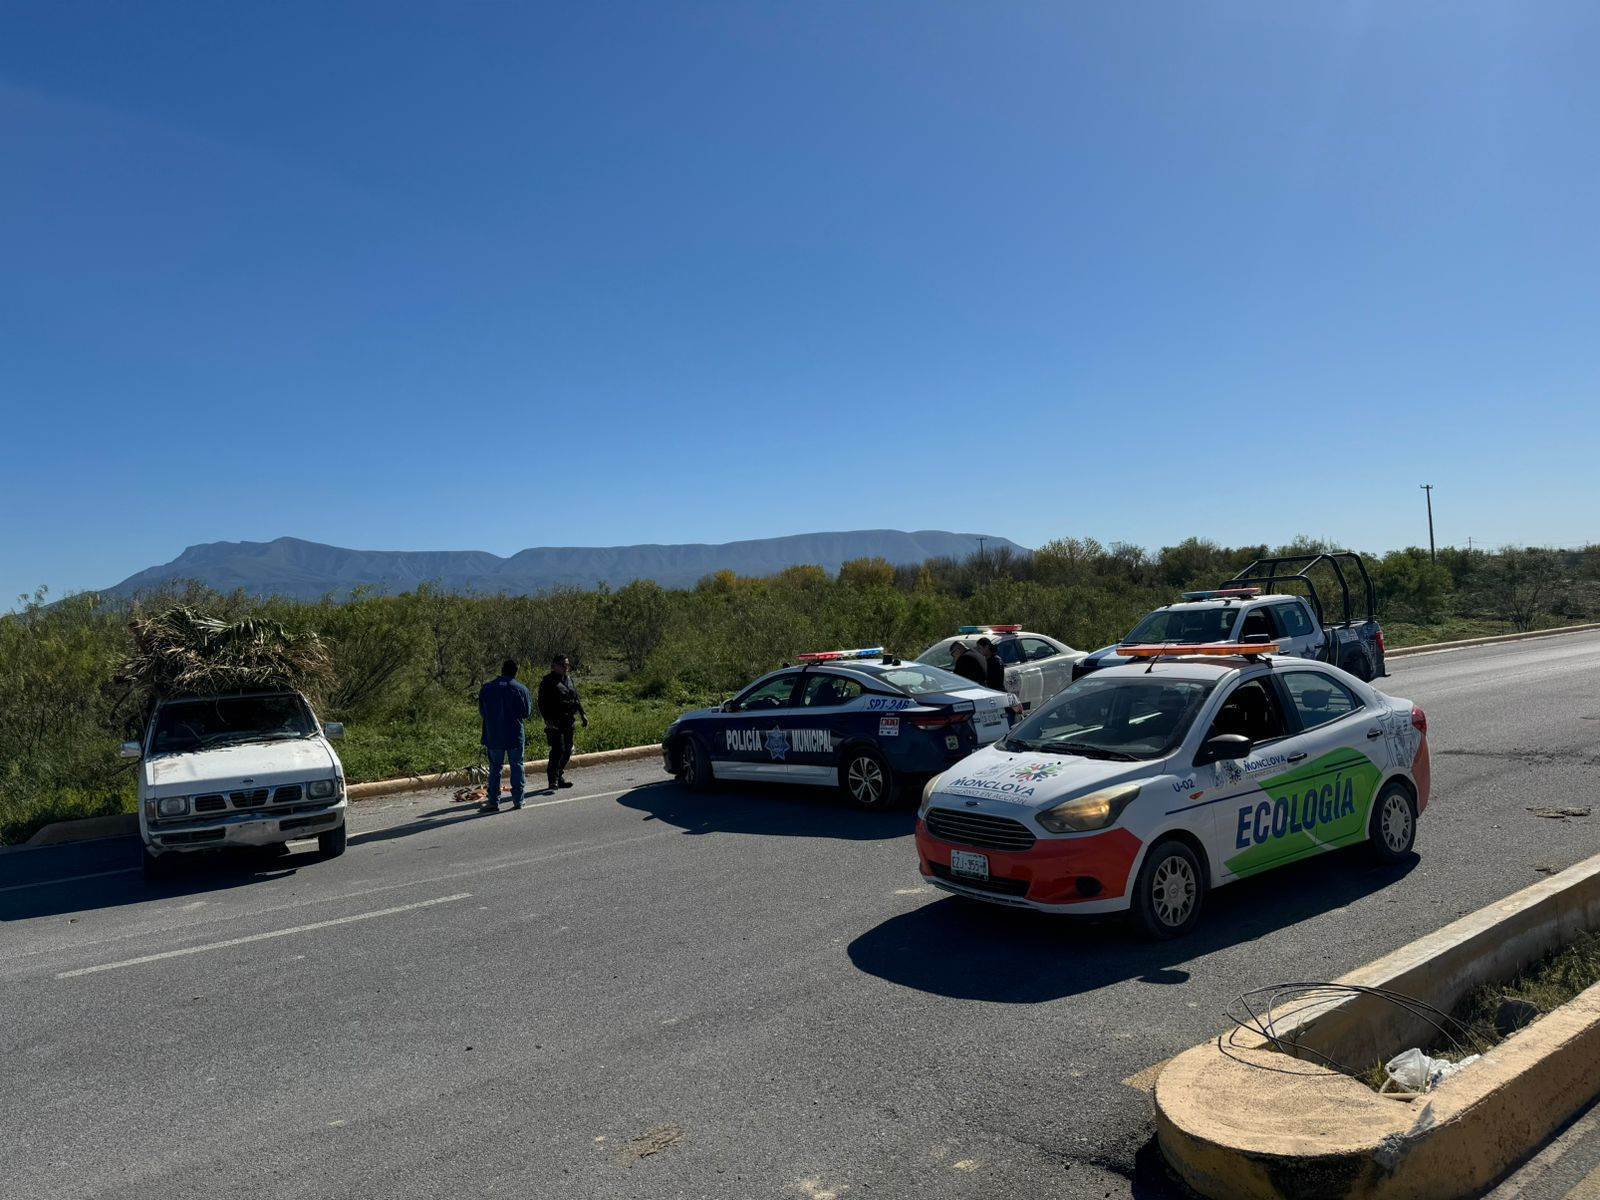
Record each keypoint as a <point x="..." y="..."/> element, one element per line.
<point x="1223" y="746"/>
<point x="130" y="750"/>
<point x="727" y="705"/>
<point x="333" y="730"/>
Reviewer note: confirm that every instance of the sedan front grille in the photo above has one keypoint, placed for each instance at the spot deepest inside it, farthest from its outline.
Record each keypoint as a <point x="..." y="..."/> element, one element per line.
<point x="979" y="829"/>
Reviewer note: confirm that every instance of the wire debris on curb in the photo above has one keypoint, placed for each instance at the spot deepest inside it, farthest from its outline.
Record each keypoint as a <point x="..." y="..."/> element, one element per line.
<point x="1258" y="1012"/>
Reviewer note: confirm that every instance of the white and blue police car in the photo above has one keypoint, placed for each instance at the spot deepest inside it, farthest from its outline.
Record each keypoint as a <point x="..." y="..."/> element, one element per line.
<point x="858" y="720"/>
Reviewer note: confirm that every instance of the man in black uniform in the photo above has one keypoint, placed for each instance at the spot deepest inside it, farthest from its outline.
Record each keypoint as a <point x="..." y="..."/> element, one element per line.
<point x="994" y="671"/>
<point x="560" y="707"/>
<point x="967" y="664"/>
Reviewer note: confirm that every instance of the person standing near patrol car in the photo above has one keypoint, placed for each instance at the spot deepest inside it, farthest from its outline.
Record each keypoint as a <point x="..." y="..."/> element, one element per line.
<point x="994" y="671"/>
<point x="561" y="709"/>
<point x="967" y="664"/>
<point x="504" y="704"/>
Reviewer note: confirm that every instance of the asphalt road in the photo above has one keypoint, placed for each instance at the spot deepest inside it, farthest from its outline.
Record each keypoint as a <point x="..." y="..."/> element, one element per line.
<point x="637" y="992"/>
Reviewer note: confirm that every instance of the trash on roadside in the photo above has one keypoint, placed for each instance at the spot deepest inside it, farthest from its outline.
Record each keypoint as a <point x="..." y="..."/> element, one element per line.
<point x="1561" y="812"/>
<point x="1413" y="1071"/>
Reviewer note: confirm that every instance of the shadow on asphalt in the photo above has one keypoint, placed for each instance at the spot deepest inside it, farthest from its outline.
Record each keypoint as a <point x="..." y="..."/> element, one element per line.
<point x="116" y="878"/>
<point x="969" y="950"/>
<point x="775" y="810"/>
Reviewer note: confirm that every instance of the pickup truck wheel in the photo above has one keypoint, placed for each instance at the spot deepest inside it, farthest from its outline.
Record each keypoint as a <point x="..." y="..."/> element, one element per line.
<point x="332" y="843"/>
<point x="156" y="866"/>
<point x="1357" y="663"/>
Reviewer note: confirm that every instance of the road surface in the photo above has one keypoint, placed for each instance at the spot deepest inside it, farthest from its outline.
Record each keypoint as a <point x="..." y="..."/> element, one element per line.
<point x="627" y="991"/>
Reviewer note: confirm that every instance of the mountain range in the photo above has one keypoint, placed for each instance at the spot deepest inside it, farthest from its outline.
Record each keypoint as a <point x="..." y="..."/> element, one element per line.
<point x="303" y="570"/>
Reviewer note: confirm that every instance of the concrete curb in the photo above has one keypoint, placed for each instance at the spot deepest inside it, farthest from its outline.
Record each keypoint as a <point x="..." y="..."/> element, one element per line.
<point x="1236" y="1118"/>
<point x="87" y="830"/>
<point x="423" y="783"/>
<point x="1430" y="647"/>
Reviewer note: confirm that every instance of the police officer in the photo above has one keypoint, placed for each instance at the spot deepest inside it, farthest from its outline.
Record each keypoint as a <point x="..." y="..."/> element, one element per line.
<point x="994" y="671"/>
<point x="560" y="707"/>
<point x="504" y="704"/>
<point x="967" y="664"/>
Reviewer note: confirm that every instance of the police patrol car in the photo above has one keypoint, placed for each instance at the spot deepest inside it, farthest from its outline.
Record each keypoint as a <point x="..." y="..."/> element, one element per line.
<point x="1245" y="609"/>
<point x="855" y="719"/>
<point x="1037" y="666"/>
<point x="1142" y="786"/>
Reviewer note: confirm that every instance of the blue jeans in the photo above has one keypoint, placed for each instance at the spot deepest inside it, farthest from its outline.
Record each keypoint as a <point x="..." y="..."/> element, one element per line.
<point x="497" y="759"/>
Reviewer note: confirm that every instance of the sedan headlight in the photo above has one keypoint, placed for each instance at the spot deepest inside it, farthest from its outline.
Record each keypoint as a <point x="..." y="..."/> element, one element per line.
<point x="927" y="795"/>
<point x="172" y="806"/>
<point x="321" y="789"/>
<point x="1094" y="811"/>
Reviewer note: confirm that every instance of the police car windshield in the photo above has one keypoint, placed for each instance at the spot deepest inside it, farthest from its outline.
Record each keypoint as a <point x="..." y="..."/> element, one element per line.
<point x="1191" y="626"/>
<point x="1114" y="718"/>
<point x="920" y="680"/>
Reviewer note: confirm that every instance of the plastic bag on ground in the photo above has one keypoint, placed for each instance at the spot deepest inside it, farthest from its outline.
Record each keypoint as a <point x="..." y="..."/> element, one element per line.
<point x="1413" y="1071"/>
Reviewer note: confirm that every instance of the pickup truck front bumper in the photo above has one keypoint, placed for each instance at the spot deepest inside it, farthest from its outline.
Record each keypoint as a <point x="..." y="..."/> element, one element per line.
<point x="259" y="827"/>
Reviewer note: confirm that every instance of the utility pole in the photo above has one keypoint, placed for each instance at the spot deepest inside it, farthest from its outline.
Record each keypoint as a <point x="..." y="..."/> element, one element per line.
<point x="1432" y="556"/>
<point x="981" y="541"/>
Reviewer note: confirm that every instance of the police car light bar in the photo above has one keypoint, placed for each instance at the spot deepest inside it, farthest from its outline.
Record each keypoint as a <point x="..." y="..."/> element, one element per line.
<point x="1242" y="592"/>
<point x="974" y="629"/>
<point x="1177" y="649"/>
<point x="836" y="655"/>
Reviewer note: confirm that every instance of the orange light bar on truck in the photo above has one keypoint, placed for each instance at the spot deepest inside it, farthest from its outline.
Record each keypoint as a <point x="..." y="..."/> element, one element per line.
<point x="1178" y="649"/>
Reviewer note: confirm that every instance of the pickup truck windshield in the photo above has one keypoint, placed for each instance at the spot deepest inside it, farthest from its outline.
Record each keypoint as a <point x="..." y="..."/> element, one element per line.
<point x="198" y="724"/>
<point x="1116" y="719"/>
<point x="1191" y="626"/>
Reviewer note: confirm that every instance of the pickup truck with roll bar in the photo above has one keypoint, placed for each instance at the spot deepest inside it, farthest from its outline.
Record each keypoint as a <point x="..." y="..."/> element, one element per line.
<point x="1252" y="605"/>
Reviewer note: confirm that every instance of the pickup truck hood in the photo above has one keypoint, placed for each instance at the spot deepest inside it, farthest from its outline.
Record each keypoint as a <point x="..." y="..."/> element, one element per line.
<point x="264" y="764"/>
<point x="1032" y="781"/>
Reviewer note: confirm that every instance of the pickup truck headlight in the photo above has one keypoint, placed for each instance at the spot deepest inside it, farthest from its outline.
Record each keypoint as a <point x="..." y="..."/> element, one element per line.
<point x="172" y="806"/>
<point x="321" y="789"/>
<point x="1094" y="811"/>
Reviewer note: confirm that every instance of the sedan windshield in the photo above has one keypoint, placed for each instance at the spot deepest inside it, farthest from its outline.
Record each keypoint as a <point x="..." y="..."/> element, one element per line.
<point x="920" y="680"/>
<point x="1188" y="626"/>
<point x="1121" y="719"/>
<point x="197" y="724"/>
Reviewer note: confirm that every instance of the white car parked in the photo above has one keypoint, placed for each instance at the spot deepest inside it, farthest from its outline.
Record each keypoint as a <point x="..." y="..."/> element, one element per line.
<point x="253" y="769"/>
<point x="1037" y="665"/>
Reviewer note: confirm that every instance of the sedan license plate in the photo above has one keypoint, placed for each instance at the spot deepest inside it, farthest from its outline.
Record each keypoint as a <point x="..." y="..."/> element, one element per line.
<point x="969" y="865"/>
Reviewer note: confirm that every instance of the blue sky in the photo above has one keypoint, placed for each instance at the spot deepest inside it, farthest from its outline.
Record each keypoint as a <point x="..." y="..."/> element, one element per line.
<point x="491" y="276"/>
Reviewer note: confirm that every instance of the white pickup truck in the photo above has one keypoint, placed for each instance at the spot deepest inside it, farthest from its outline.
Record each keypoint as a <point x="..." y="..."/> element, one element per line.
<point x="251" y="769"/>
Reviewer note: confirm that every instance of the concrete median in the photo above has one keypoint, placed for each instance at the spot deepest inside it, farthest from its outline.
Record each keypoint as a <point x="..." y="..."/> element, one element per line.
<point x="1238" y="1119"/>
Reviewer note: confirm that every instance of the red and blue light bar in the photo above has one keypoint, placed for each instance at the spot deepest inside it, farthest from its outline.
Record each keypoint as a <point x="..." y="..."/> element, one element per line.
<point x="837" y="655"/>
<point x="990" y="629"/>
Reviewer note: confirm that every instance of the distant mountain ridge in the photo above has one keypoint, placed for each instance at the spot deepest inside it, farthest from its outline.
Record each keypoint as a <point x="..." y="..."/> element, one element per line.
<point x="302" y="570"/>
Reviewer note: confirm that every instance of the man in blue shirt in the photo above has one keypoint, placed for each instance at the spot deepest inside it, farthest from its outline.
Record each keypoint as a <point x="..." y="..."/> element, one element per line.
<point x="504" y="704"/>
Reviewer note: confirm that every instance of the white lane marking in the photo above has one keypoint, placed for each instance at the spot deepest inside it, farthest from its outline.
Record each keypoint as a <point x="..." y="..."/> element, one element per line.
<point x="259" y="937"/>
<point x="17" y="887"/>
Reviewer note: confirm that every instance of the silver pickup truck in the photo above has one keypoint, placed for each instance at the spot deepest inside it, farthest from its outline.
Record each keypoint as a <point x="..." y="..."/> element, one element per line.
<point x="1247" y="607"/>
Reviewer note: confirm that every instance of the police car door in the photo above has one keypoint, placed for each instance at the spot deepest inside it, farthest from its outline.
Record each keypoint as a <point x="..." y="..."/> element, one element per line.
<point x="829" y="706"/>
<point x="1331" y="789"/>
<point x="1238" y="828"/>
<point x="1055" y="672"/>
<point x="1294" y="630"/>
<point x="752" y="741"/>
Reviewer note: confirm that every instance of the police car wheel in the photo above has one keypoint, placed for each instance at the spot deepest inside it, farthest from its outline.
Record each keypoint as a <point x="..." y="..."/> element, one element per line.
<point x="1393" y="824"/>
<point x="867" y="780"/>
<point x="1168" y="892"/>
<point x="694" y="766"/>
